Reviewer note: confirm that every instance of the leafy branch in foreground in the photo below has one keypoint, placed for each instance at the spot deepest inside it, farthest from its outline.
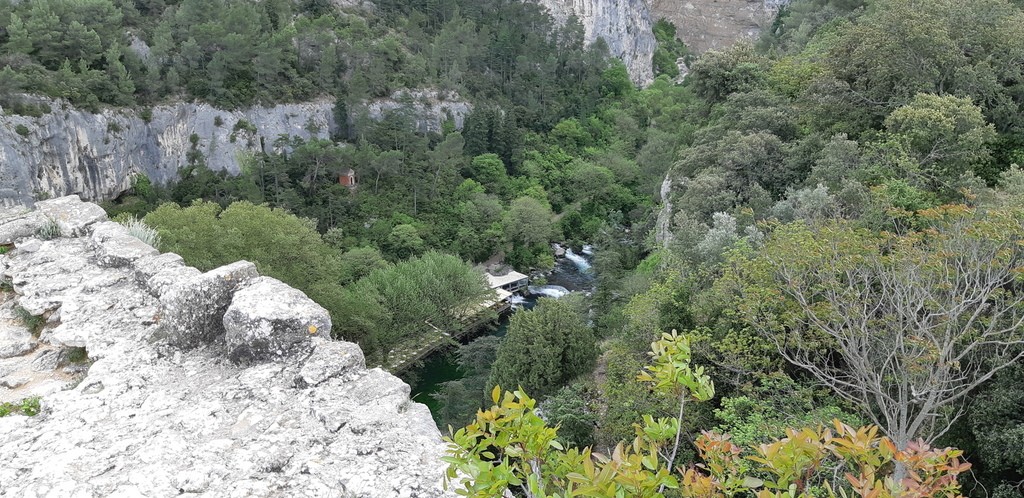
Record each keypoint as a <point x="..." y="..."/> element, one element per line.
<point x="510" y="451"/>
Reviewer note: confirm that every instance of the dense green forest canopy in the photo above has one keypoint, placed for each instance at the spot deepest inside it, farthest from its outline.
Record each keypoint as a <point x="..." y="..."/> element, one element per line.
<point x="812" y="177"/>
<point x="236" y="52"/>
<point x="547" y="158"/>
<point x="859" y="155"/>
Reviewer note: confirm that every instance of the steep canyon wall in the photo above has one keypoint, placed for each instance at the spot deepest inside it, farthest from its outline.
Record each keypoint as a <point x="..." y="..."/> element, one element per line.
<point x="625" y="25"/>
<point x="716" y="24"/>
<point x="96" y="155"/>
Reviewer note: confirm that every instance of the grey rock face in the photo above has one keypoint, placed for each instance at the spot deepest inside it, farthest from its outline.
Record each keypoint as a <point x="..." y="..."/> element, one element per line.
<point x="169" y="278"/>
<point x="716" y="24"/>
<point x="151" y="420"/>
<point x="115" y="247"/>
<point x="353" y="4"/>
<point x="13" y="383"/>
<point x="19" y="222"/>
<point x="625" y="25"/>
<point x="192" y="308"/>
<point x="10" y="349"/>
<point x="148" y="267"/>
<point x="28" y="245"/>
<point x="331" y="359"/>
<point x="97" y="155"/>
<point x="14" y="339"/>
<point x="71" y="214"/>
<point x="663" y="226"/>
<point x="268" y="319"/>
<point x="47" y="360"/>
<point x="429" y="109"/>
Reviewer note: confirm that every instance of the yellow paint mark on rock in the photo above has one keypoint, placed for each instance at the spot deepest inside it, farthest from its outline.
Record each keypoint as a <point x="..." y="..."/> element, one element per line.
<point x="312" y="329"/>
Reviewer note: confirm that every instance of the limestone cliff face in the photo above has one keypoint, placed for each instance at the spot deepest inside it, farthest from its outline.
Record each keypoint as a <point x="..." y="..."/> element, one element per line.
<point x="663" y="225"/>
<point x="96" y="155"/>
<point x="625" y="26"/>
<point x="428" y="108"/>
<point x="213" y="384"/>
<point x="716" y="24"/>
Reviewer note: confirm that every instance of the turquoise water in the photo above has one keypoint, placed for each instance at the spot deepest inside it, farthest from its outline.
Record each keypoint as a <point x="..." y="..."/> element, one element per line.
<point x="442" y="366"/>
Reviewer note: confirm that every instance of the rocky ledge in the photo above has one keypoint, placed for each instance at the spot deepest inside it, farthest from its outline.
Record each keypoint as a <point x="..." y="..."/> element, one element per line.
<point x="222" y="383"/>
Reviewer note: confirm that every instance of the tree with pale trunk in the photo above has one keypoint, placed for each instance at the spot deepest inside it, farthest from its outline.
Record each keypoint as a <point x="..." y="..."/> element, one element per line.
<point x="903" y="326"/>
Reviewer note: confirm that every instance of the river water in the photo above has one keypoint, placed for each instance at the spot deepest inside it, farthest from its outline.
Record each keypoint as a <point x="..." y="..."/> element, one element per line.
<point x="572" y="273"/>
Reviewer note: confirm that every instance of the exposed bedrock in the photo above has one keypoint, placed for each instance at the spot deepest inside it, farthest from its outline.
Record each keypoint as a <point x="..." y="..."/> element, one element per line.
<point x="160" y="409"/>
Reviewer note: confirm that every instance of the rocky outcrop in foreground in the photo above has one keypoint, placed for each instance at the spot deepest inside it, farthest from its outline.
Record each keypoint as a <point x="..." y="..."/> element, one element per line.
<point x="214" y="384"/>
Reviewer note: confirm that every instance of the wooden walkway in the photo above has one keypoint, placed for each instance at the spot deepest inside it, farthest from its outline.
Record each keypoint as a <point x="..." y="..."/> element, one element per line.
<point x="407" y="355"/>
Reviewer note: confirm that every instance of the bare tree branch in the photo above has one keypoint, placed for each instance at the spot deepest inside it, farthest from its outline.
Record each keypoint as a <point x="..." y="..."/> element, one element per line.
<point x="903" y="326"/>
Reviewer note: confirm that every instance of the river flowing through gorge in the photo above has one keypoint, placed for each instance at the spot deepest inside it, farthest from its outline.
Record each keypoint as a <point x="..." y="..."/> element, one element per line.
<point x="573" y="272"/>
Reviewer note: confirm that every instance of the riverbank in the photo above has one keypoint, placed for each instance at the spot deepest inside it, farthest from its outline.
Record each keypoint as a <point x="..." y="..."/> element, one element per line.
<point x="572" y="273"/>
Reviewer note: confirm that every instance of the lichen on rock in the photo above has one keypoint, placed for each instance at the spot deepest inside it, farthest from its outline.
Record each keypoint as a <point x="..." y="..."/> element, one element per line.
<point x="268" y="319"/>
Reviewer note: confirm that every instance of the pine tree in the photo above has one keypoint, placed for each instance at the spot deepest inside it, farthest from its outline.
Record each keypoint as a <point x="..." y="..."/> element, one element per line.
<point x="122" y="86"/>
<point x="545" y="347"/>
<point x="18" y="41"/>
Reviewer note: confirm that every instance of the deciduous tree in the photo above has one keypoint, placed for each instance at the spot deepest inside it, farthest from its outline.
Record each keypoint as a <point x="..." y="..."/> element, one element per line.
<point x="903" y="326"/>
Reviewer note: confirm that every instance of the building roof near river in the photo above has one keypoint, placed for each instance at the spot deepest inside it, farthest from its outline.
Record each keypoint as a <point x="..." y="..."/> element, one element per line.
<point x="511" y="281"/>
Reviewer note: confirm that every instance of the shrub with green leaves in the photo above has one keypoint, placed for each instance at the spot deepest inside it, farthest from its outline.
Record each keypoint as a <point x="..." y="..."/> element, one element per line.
<point x="32" y="322"/>
<point x="28" y="406"/>
<point x="510" y="450"/>
<point x="77" y="355"/>
<point x="244" y="125"/>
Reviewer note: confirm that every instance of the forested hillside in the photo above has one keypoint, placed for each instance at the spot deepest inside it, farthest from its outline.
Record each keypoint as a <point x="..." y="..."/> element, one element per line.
<point x="234" y="53"/>
<point x="843" y="240"/>
<point x="831" y="217"/>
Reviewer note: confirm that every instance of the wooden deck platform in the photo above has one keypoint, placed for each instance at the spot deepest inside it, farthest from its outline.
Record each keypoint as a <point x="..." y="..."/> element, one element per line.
<point x="403" y="357"/>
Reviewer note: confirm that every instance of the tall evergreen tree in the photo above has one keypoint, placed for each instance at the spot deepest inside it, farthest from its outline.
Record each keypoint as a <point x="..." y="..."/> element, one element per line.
<point x="545" y="347"/>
